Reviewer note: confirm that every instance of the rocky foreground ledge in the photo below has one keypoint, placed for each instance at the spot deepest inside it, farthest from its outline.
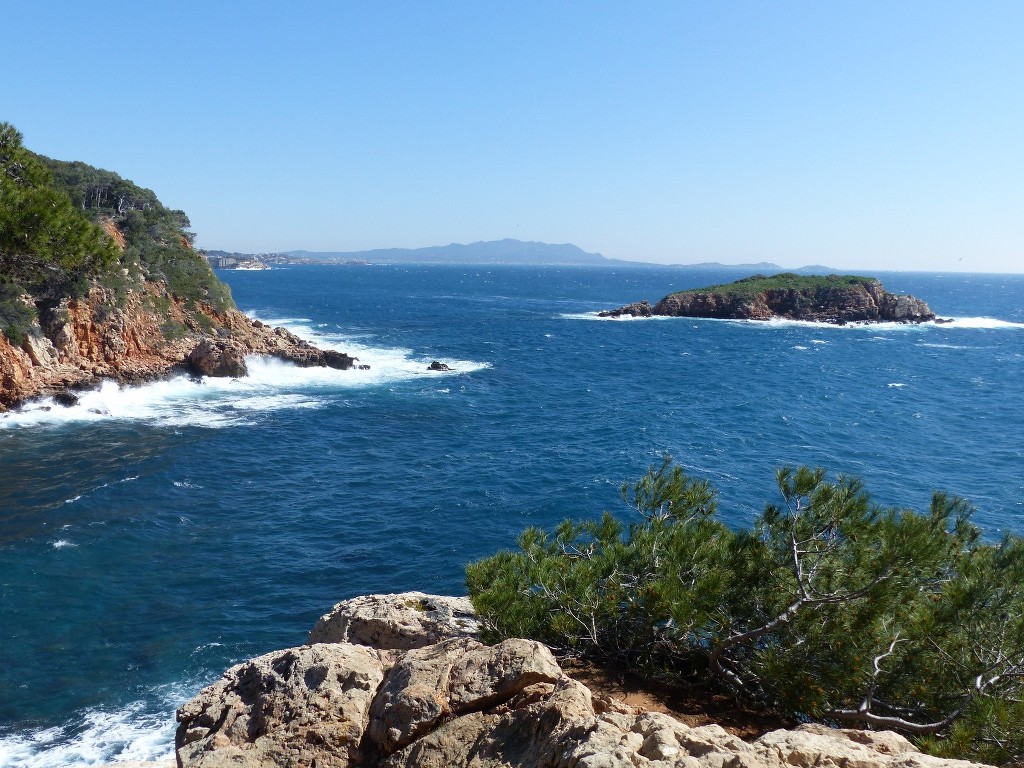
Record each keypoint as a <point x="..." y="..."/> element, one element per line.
<point x="836" y="299"/>
<point x="401" y="680"/>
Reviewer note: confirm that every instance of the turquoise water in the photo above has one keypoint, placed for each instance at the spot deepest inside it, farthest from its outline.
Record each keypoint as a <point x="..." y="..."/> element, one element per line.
<point x="151" y="537"/>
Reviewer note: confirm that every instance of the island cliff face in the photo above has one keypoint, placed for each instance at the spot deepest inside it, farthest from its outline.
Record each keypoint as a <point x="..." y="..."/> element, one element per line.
<point x="402" y="681"/>
<point x="836" y="299"/>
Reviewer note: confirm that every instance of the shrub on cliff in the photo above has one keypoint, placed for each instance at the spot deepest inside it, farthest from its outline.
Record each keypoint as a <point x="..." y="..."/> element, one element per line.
<point x="48" y="247"/>
<point x="828" y="608"/>
<point x="158" y="240"/>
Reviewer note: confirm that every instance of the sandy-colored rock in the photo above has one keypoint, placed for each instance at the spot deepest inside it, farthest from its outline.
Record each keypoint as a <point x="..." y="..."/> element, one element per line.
<point x="400" y="621"/>
<point x="455" y="703"/>
<point x="433" y="684"/>
<point x="299" y="707"/>
<point x="817" y="746"/>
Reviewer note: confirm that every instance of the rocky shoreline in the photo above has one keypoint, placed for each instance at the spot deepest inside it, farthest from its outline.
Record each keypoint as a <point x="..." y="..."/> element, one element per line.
<point x="832" y="299"/>
<point x="86" y="340"/>
<point x="402" y="680"/>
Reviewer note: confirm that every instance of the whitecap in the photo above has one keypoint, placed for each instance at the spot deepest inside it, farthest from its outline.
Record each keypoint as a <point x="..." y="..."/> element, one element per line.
<point x="981" y="323"/>
<point x="62" y="544"/>
<point x="818" y="341"/>
<point x="97" y="737"/>
<point x="619" y="319"/>
<point x="213" y="403"/>
<point x="801" y="347"/>
<point x="896" y="385"/>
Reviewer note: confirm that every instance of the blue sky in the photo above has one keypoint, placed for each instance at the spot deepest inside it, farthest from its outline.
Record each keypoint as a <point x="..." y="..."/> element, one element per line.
<point x="867" y="135"/>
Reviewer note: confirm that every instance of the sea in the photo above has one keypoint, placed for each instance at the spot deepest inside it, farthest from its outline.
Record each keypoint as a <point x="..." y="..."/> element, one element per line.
<point x="152" y="536"/>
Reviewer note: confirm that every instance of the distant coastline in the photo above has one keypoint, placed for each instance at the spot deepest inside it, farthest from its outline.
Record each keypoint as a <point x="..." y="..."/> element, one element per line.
<point x="497" y="252"/>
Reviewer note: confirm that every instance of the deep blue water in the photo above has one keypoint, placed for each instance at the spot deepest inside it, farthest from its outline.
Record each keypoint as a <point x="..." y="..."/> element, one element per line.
<point x="184" y="527"/>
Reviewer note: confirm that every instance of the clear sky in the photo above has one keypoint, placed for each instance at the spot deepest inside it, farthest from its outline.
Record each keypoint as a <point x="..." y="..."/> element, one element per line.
<point x="868" y="135"/>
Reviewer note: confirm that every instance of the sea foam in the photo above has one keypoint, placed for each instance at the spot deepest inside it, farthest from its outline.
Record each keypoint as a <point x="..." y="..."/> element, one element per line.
<point x="271" y="385"/>
<point x="99" y="737"/>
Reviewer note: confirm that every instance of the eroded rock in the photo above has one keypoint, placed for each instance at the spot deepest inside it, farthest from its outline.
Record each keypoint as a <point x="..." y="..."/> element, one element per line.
<point x="434" y="697"/>
<point x="400" y="621"/>
<point x="298" y="707"/>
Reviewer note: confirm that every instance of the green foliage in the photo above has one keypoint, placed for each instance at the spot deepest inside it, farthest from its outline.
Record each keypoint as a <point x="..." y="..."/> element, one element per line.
<point x="829" y="607"/>
<point x="756" y="284"/>
<point x="158" y="241"/>
<point x="16" y="317"/>
<point x="46" y="244"/>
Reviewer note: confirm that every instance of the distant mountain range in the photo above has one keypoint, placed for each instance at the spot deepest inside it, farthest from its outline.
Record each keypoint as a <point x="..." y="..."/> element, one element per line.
<point x="506" y="251"/>
<point x="490" y="252"/>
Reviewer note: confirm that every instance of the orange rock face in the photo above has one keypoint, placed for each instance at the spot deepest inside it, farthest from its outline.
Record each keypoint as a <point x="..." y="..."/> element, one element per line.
<point x="148" y="335"/>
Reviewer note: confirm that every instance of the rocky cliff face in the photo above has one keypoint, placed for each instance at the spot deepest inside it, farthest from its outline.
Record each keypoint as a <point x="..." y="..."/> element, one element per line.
<point x="399" y="680"/>
<point x="866" y="301"/>
<point x="145" y="335"/>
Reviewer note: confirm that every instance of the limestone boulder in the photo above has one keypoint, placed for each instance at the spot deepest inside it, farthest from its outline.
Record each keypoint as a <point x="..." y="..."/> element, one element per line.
<point x="432" y="685"/>
<point x="397" y="621"/>
<point x="814" y="746"/>
<point x="432" y="696"/>
<point x="298" y="707"/>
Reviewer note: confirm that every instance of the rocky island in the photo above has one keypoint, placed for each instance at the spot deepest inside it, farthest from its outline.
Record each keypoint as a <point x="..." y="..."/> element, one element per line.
<point x="836" y="299"/>
<point x="99" y="280"/>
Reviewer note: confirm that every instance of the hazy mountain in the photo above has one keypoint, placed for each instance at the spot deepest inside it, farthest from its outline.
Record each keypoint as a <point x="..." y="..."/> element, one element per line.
<point x="490" y="252"/>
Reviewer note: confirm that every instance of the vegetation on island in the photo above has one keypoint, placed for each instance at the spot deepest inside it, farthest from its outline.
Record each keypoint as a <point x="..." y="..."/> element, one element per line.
<point x="757" y="284"/>
<point x="58" y="223"/>
<point x="828" y="608"/>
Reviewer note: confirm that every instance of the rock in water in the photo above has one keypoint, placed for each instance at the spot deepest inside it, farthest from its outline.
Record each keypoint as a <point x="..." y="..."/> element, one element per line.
<point x="636" y="309"/>
<point x="217" y="357"/>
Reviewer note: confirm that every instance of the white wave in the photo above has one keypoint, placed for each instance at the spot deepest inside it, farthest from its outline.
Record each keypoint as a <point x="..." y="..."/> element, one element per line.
<point x="780" y="322"/>
<point x="818" y="341"/>
<point x="62" y="544"/>
<point x="896" y="385"/>
<point x="99" y="737"/>
<point x="619" y="319"/>
<point x="271" y="385"/>
<point x="801" y="348"/>
<point x="981" y="322"/>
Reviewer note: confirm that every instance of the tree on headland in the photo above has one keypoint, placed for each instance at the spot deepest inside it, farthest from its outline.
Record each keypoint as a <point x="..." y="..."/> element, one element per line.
<point x="58" y="221"/>
<point x="46" y="244"/>
<point x="829" y="607"/>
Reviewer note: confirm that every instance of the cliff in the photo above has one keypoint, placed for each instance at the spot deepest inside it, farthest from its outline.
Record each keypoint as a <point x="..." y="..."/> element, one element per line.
<point x="836" y="299"/>
<point x="148" y="334"/>
<point x="401" y="680"/>
<point x="98" y="279"/>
